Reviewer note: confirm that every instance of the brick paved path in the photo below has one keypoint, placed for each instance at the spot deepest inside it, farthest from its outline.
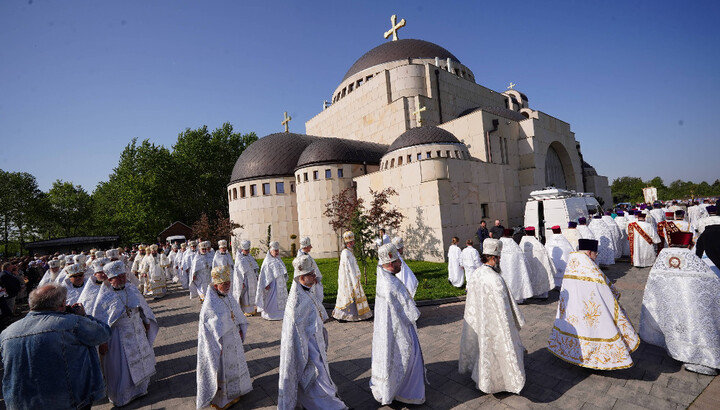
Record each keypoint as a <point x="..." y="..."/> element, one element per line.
<point x="656" y="381"/>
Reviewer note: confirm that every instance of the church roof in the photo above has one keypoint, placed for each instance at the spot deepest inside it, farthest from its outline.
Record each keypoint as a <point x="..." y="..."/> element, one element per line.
<point x="398" y="50"/>
<point x="499" y="111"/>
<point x="341" y="151"/>
<point x="273" y="155"/>
<point x="423" y="135"/>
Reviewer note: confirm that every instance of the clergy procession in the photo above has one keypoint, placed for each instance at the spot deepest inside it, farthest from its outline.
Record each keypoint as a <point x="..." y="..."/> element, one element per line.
<point x="105" y="296"/>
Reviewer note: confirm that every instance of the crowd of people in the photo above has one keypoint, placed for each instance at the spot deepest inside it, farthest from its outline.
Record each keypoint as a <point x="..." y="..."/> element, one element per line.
<point x="92" y="309"/>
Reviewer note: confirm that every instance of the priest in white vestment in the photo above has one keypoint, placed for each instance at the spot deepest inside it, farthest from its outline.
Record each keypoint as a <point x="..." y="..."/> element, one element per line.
<point x="582" y="229"/>
<point x="470" y="258"/>
<point x="272" y="291"/>
<point x="52" y="274"/>
<point x="187" y="261"/>
<point x="200" y="271"/>
<point x="681" y="308"/>
<point x="591" y="329"/>
<point x="305" y="248"/>
<point x="222" y="256"/>
<point x="135" y="269"/>
<point x="152" y="271"/>
<point x="245" y="278"/>
<point x="74" y="282"/>
<point x="172" y="257"/>
<point x="130" y="361"/>
<point x="491" y="351"/>
<point x="622" y="223"/>
<point x="514" y="269"/>
<point x="615" y="233"/>
<point x="606" y="245"/>
<point x="572" y="235"/>
<point x="406" y="275"/>
<point x="351" y="303"/>
<point x="222" y="372"/>
<point x="178" y="265"/>
<point x="711" y="219"/>
<point x="456" y="273"/>
<point x="89" y="296"/>
<point x="304" y="373"/>
<point x="559" y="250"/>
<point x="398" y="368"/>
<point x="643" y="239"/>
<point x="540" y="266"/>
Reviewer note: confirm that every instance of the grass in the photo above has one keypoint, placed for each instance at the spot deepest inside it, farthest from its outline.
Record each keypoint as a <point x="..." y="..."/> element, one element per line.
<point x="432" y="279"/>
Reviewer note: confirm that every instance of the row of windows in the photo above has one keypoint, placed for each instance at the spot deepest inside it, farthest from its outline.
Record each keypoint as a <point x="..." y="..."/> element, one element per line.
<point x="252" y="190"/>
<point x="419" y="156"/>
<point x="347" y="90"/>
<point x="316" y="175"/>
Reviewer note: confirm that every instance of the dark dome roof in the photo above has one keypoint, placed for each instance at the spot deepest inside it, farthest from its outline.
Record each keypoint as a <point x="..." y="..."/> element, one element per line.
<point x="422" y="135"/>
<point x="398" y="50"/>
<point x="499" y="111"/>
<point x="272" y="155"/>
<point x="343" y="151"/>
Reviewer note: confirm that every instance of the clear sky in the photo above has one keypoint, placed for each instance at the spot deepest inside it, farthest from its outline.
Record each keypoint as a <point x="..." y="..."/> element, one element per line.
<point x="636" y="80"/>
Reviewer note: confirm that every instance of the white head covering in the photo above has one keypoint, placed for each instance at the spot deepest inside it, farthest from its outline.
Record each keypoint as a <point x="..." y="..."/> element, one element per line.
<point x="245" y="245"/>
<point x="99" y="254"/>
<point x="222" y="243"/>
<point x="183" y="245"/>
<point x="275" y="245"/>
<point x="112" y="253"/>
<point x="79" y="258"/>
<point x="75" y="269"/>
<point x="97" y="265"/>
<point x="152" y="247"/>
<point x="205" y="244"/>
<point x="305" y="242"/>
<point x="303" y="265"/>
<point x="174" y="246"/>
<point x="192" y="243"/>
<point x="492" y="247"/>
<point x="114" y="269"/>
<point x="54" y="263"/>
<point x="398" y="242"/>
<point x="388" y="253"/>
<point x="348" y="236"/>
<point x="69" y="260"/>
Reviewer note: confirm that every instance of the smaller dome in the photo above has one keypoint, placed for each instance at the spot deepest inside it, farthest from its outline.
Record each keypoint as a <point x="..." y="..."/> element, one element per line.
<point x="341" y="151"/>
<point x="271" y="156"/>
<point x="421" y="136"/>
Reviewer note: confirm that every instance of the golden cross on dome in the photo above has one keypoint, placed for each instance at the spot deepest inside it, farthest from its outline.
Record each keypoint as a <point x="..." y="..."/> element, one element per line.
<point x="418" y="116"/>
<point x="395" y="26"/>
<point x="286" y="122"/>
<point x="511" y="86"/>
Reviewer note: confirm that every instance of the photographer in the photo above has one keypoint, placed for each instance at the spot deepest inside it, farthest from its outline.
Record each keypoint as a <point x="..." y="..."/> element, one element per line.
<point x="41" y="350"/>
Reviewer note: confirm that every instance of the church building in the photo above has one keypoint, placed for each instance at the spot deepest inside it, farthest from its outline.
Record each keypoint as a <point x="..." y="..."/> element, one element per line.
<point x="408" y="115"/>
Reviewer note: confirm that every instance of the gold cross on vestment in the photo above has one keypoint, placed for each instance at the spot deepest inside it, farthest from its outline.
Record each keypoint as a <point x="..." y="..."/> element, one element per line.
<point x="511" y="86"/>
<point x="286" y="122"/>
<point x="395" y="26"/>
<point x="418" y="116"/>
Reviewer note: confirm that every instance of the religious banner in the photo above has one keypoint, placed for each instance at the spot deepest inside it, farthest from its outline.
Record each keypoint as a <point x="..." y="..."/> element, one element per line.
<point x="650" y="194"/>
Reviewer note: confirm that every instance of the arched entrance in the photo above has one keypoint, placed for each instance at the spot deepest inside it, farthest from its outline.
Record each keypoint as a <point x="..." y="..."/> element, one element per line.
<point x="558" y="168"/>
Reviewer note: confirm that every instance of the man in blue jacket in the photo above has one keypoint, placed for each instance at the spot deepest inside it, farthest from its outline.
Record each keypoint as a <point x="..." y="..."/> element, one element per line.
<point x="49" y="357"/>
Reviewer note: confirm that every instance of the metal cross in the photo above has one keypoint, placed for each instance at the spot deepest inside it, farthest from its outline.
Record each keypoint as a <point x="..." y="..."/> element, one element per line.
<point x="511" y="86"/>
<point x="418" y="116"/>
<point x="286" y="122"/>
<point x="395" y="27"/>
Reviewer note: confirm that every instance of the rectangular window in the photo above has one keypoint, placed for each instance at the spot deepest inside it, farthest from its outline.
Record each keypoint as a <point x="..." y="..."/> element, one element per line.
<point x="428" y="154"/>
<point x="266" y="188"/>
<point x="484" y="210"/>
<point x="457" y="154"/>
<point x="305" y="177"/>
<point x="298" y="178"/>
<point x="292" y="187"/>
<point x="316" y="175"/>
<point x="439" y="154"/>
<point x="253" y="190"/>
<point x="409" y="158"/>
<point x="340" y="173"/>
<point x="242" y="192"/>
<point x="400" y="161"/>
<point x="328" y="173"/>
<point x="419" y="156"/>
<point x="280" y="187"/>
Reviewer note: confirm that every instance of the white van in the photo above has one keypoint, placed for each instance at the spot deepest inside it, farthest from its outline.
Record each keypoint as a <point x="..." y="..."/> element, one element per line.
<point x="552" y="206"/>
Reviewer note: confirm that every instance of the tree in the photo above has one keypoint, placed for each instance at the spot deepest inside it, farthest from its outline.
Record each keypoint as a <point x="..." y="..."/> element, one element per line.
<point x="628" y="189"/>
<point x="380" y="214"/>
<point x="340" y="210"/>
<point x="20" y="207"/>
<point x="221" y="228"/>
<point x="69" y="208"/>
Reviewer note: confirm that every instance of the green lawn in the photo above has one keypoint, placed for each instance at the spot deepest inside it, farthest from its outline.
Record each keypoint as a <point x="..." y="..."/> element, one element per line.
<point x="432" y="278"/>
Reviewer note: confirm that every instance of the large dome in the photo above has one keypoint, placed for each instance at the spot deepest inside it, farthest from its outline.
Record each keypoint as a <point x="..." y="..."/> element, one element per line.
<point x="272" y="155"/>
<point x="341" y="151"/>
<point x="398" y="50"/>
<point x="423" y="135"/>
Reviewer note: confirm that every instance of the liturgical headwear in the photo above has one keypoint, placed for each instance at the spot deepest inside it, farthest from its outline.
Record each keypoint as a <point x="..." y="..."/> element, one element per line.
<point x="507" y="232"/>
<point x="114" y="269"/>
<point x="398" y="242"/>
<point x="387" y="253"/>
<point x="153" y="247"/>
<point x="587" y="245"/>
<point x="303" y="265"/>
<point x="275" y="245"/>
<point x="582" y="220"/>
<point x="220" y="274"/>
<point x="193" y="243"/>
<point x="222" y="243"/>
<point x="492" y="247"/>
<point x="572" y="225"/>
<point x="556" y="229"/>
<point x="305" y="242"/>
<point x="69" y="260"/>
<point x="75" y="270"/>
<point x="245" y="245"/>
<point x="112" y="253"/>
<point x="348" y="236"/>
<point x="54" y="263"/>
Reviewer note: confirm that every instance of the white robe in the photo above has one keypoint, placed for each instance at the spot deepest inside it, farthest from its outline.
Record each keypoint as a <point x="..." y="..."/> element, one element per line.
<point x="130" y="360"/>
<point x="490" y="347"/>
<point x="591" y="329"/>
<point x="398" y="369"/>
<point x="73" y="293"/>
<point x="317" y="288"/>
<point x="456" y="274"/>
<point x="244" y="282"/>
<point x="584" y="232"/>
<point x="222" y="371"/>
<point x="304" y="373"/>
<point x="173" y="256"/>
<point x="559" y="249"/>
<point x="643" y="252"/>
<point x="615" y="234"/>
<point x="187" y="261"/>
<point x="470" y="259"/>
<point x="540" y="266"/>
<point x="351" y="303"/>
<point x="271" y="302"/>
<point x="606" y="246"/>
<point x="407" y="277"/>
<point x="572" y="236"/>
<point x="223" y="259"/>
<point x="514" y="270"/>
<point x="89" y="296"/>
<point x="152" y="269"/>
<point x="681" y="310"/>
<point x="50" y="277"/>
<point x="622" y="223"/>
<point x="200" y="275"/>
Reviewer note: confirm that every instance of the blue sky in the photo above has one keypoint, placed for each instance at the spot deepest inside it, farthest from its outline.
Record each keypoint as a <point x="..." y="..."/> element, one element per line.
<point x="636" y="80"/>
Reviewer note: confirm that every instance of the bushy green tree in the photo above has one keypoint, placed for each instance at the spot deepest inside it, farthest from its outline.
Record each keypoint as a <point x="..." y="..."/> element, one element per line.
<point x="69" y="210"/>
<point x="20" y="207"/>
